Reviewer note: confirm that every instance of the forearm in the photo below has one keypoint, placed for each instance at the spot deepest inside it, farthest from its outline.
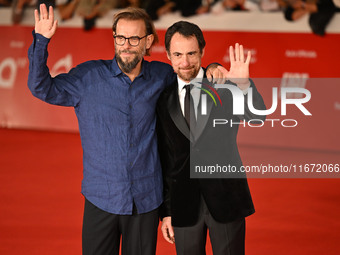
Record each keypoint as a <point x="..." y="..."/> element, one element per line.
<point x="256" y="101"/>
<point x="39" y="78"/>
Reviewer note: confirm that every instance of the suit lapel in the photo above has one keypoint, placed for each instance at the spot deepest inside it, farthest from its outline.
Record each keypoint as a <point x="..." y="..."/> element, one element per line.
<point x="179" y="120"/>
<point x="202" y="120"/>
<point x="176" y="115"/>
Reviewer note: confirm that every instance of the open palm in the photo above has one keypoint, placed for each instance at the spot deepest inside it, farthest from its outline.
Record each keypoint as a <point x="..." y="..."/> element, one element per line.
<point x="239" y="67"/>
<point x="45" y="24"/>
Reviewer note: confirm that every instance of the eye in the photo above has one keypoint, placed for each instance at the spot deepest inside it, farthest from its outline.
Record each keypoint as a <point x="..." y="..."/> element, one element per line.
<point x="176" y="54"/>
<point x="134" y="39"/>
<point x="120" y="38"/>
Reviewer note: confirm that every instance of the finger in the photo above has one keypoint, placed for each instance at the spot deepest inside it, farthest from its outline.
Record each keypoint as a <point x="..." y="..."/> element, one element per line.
<point x="171" y="234"/>
<point x="248" y="57"/>
<point x="51" y="14"/>
<point x="223" y="71"/>
<point x="231" y="54"/>
<point x="166" y="235"/>
<point x="241" y="54"/>
<point x="54" y="27"/>
<point x="225" y="74"/>
<point x="216" y="76"/>
<point x="237" y="52"/>
<point x="209" y="76"/>
<point x="164" y="231"/>
<point x="43" y="11"/>
<point x="222" y="75"/>
<point x="36" y="16"/>
<point x="219" y="77"/>
<point x="223" y="78"/>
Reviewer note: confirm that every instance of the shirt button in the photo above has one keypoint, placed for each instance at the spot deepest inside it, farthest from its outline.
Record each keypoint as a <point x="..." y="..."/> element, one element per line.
<point x="131" y="144"/>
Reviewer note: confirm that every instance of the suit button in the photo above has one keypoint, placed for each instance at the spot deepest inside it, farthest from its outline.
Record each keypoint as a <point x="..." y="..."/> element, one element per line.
<point x="174" y="180"/>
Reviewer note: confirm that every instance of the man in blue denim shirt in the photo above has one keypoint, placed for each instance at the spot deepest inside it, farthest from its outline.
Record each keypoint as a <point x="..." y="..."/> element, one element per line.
<point x="115" y="103"/>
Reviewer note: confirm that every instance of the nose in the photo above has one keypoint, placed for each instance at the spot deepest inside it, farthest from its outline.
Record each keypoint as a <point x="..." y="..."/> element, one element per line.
<point x="185" y="61"/>
<point x="126" y="44"/>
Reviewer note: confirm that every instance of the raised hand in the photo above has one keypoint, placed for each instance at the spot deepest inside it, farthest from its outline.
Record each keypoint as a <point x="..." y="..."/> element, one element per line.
<point x="45" y="24"/>
<point x="239" y="68"/>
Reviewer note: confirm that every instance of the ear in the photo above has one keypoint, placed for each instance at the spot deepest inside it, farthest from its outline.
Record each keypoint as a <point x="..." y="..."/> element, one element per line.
<point x="149" y="41"/>
<point x="203" y="52"/>
<point x="168" y="55"/>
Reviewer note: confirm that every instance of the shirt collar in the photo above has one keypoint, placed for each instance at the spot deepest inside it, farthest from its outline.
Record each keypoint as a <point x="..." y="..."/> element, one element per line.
<point x="144" y="71"/>
<point x="182" y="83"/>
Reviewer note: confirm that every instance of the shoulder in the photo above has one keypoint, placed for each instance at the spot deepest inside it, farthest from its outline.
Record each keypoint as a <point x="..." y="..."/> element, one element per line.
<point x="168" y="91"/>
<point x="92" y="66"/>
<point x="157" y="67"/>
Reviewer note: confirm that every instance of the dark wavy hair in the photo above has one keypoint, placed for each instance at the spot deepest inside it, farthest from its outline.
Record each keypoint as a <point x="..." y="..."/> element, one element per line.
<point x="186" y="29"/>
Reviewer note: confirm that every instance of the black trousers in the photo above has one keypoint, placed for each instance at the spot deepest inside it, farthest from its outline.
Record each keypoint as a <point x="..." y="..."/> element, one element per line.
<point x="226" y="238"/>
<point x="102" y="232"/>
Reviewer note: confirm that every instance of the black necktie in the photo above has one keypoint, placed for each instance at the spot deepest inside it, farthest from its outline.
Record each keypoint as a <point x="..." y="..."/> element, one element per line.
<point x="189" y="111"/>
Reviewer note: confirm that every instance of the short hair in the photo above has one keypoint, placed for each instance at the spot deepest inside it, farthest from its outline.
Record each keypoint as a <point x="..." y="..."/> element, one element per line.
<point x="186" y="29"/>
<point x="131" y="13"/>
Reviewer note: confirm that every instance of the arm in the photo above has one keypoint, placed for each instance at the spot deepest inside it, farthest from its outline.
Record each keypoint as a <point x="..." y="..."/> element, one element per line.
<point x="163" y="155"/>
<point x="165" y="210"/>
<point x="257" y="102"/>
<point x="61" y="90"/>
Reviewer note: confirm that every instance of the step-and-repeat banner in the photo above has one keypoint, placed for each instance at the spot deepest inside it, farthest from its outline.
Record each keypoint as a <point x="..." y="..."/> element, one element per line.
<point x="282" y="63"/>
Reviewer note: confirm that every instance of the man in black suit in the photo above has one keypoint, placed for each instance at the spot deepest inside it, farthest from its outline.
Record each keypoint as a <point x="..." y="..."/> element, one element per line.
<point x="193" y="205"/>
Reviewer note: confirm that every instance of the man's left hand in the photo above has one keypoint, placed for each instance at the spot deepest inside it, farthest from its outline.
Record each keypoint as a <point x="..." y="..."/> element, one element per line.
<point x="239" y="69"/>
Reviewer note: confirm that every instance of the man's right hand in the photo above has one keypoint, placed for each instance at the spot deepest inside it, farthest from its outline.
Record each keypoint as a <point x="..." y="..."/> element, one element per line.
<point x="167" y="230"/>
<point x="45" y="24"/>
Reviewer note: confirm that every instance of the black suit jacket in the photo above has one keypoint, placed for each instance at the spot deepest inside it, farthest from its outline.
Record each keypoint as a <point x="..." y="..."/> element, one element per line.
<point x="227" y="199"/>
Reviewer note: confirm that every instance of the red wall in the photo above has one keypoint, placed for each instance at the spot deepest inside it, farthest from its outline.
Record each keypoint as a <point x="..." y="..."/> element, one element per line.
<point x="279" y="59"/>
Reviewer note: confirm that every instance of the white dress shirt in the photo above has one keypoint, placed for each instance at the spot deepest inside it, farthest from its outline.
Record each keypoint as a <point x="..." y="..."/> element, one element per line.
<point x="195" y="91"/>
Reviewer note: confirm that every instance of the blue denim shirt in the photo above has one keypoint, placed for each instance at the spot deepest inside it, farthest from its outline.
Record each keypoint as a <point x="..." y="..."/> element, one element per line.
<point x="116" y="122"/>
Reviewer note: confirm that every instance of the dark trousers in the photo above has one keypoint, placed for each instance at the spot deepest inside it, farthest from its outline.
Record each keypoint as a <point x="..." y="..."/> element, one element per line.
<point x="226" y="238"/>
<point x="102" y="232"/>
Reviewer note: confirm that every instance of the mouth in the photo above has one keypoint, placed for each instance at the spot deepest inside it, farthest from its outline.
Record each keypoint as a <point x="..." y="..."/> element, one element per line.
<point x="186" y="69"/>
<point x="127" y="53"/>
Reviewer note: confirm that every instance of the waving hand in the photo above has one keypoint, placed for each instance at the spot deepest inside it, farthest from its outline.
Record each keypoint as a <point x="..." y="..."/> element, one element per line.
<point x="45" y="24"/>
<point x="239" y="67"/>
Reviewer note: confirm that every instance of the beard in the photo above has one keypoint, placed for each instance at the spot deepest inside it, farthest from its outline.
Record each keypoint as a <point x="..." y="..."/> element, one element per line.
<point x="128" y="66"/>
<point x="188" y="76"/>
